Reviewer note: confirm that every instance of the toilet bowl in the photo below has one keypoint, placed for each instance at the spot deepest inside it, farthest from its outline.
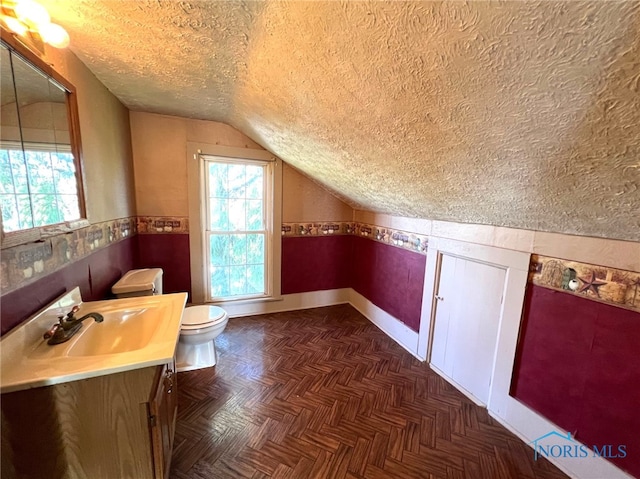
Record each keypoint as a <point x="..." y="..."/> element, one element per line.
<point x="200" y="326"/>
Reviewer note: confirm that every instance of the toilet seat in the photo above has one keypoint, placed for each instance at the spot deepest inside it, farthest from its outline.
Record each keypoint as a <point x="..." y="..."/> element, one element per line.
<point x="196" y="319"/>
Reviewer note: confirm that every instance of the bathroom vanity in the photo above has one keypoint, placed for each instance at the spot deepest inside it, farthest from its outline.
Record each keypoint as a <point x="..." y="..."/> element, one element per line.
<point x="115" y="426"/>
<point x="102" y="405"/>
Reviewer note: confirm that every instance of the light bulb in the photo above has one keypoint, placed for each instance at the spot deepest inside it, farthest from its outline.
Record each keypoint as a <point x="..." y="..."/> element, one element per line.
<point x="54" y="35"/>
<point x="15" y="25"/>
<point x="32" y="13"/>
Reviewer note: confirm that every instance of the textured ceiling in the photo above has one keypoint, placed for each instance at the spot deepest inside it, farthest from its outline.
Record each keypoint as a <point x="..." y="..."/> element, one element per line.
<point x="522" y="114"/>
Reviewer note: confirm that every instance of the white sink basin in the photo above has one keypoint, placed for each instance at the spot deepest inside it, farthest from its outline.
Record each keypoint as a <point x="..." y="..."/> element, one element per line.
<point x="136" y="332"/>
<point x="119" y="332"/>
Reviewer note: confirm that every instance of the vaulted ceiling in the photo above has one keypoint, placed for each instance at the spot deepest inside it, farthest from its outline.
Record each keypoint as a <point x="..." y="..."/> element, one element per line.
<point x="522" y="114"/>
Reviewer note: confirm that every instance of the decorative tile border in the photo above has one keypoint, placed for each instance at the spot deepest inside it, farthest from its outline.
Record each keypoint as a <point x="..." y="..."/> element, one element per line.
<point x="24" y="264"/>
<point x="163" y="225"/>
<point x="608" y="285"/>
<point x="398" y="238"/>
<point x="402" y="239"/>
<point x="317" y="229"/>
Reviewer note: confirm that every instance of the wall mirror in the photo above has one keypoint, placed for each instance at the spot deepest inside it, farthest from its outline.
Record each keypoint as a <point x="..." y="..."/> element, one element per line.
<point x="40" y="153"/>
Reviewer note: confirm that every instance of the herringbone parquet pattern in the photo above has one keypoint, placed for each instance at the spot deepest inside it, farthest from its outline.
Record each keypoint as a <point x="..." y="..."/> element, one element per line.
<point x="323" y="393"/>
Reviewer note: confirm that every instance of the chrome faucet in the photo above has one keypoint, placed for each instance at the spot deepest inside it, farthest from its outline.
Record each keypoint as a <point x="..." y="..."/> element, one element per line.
<point x="68" y="325"/>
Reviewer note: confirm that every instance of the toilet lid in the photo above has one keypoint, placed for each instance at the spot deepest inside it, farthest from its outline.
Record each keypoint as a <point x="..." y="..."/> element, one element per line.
<point x="199" y="316"/>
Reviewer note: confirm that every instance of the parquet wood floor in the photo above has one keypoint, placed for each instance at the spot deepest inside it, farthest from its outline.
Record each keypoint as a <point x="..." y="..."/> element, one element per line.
<point x="323" y="393"/>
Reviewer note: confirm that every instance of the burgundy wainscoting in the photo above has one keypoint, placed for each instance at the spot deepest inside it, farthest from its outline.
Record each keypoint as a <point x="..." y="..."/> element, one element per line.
<point x="391" y="278"/>
<point x="169" y="252"/>
<point x="315" y="263"/>
<point x="577" y="365"/>
<point x="94" y="274"/>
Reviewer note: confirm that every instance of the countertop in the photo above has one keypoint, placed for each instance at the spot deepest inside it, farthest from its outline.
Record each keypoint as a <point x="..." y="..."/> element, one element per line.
<point x="150" y="335"/>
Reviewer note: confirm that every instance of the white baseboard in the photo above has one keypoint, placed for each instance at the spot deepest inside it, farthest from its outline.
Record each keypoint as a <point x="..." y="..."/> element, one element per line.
<point x="578" y="468"/>
<point x="288" y="302"/>
<point x="395" y="329"/>
<point x="528" y="425"/>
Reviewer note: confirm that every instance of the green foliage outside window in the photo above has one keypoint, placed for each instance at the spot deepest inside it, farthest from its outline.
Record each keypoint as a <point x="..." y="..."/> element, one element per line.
<point x="37" y="188"/>
<point x="237" y="235"/>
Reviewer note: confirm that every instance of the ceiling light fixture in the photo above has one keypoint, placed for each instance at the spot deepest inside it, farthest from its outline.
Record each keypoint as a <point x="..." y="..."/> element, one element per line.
<point x="54" y="35"/>
<point x="24" y="17"/>
<point x="31" y="13"/>
<point x="15" y="25"/>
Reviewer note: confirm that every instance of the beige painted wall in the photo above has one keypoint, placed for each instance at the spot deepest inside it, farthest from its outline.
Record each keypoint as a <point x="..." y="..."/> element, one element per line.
<point x="160" y="164"/>
<point x="106" y="141"/>
<point x="305" y="201"/>
<point x="160" y="158"/>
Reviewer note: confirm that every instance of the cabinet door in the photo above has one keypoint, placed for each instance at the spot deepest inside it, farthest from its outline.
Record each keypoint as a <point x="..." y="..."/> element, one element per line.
<point x="469" y="302"/>
<point x="163" y="409"/>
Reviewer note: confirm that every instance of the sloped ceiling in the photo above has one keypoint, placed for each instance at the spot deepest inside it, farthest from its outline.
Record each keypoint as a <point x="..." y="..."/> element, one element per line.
<point x="522" y="114"/>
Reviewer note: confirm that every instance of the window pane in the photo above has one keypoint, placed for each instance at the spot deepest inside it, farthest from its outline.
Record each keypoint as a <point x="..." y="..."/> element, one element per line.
<point x="255" y="279"/>
<point x="255" y="249"/>
<point x="19" y="170"/>
<point x="237" y="211"/>
<point x="238" y="280"/>
<point x="218" y="214"/>
<point x="45" y="210"/>
<point x="219" y="250"/>
<point x="219" y="281"/>
<point x="69" y="209"/>
<point x="255" y="182"/>
<point x="237" y="259"/>
<point x="64" y="174"/>
<point x="6" y="179"/>
<point x="237" y="181"/>
<point x="43" y="174"/>
<point x="254" y="215"/>
<point x="40" y="172"/>
<point x="24" y="211"/>
<point x="218" y="180"/>
<point x="10" y="218"/>
<point x="238" y="249"/>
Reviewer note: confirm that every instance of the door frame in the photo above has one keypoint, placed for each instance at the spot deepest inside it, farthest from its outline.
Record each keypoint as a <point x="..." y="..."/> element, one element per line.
<point x="516" y="266"/>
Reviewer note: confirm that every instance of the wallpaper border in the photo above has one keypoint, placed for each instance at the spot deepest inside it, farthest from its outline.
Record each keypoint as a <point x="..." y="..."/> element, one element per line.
<point x="24" y="264"/>
<point x="393" y="237"/>
<point x="599" y="283"/>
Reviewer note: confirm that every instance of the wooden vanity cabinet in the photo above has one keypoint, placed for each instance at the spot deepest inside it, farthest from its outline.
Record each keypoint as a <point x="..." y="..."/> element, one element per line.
<point x="116" y="426"/>
<point x="163" y="412"/>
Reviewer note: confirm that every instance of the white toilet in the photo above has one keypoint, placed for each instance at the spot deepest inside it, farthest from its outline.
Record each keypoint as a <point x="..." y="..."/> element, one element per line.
<point x="200" y="324"/>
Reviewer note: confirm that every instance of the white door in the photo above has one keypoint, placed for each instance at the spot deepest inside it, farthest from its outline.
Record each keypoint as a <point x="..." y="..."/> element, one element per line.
<point x="467" y="316"/>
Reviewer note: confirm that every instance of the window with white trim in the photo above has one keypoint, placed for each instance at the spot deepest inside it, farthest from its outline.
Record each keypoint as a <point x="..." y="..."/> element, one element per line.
<point x="237" y="227"/>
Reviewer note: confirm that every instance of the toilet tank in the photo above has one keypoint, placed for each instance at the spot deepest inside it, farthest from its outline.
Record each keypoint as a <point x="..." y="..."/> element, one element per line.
<point x="139" y="282"/>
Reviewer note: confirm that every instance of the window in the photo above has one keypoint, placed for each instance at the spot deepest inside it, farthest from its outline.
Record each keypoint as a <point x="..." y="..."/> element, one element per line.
<point x="238" y="199"/>
<point x="38" y="187"/>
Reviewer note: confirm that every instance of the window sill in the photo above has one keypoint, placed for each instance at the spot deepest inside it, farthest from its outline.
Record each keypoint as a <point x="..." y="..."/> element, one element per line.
<point x="262" y="299"/>
<point x="17" y="238"/>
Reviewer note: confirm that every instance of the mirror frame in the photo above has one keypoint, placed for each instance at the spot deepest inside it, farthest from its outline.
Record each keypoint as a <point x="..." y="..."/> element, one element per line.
<point x="15" y="238"/>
